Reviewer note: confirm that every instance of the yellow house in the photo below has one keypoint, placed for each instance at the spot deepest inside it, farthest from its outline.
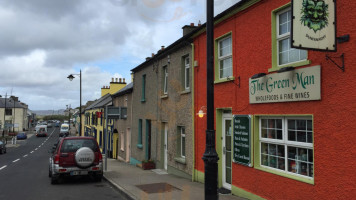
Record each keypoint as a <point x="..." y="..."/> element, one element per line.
<point x="94" y="118"/>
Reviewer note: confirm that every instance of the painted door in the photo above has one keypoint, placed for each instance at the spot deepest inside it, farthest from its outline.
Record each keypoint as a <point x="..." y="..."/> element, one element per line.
<point x="128" y="142"/>
<point x="148" y="139"/>
<point x="165" y="146"/>
<point x="227" y="150"/>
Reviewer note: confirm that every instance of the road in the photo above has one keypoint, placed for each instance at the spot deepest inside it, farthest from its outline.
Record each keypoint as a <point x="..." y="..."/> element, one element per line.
<point x="24" y="175"/>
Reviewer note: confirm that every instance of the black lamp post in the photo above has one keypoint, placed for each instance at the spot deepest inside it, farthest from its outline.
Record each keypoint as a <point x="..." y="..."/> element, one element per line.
<point x="210" y="156"/>
<point x="3" y="129"/>
<point x="71" y="77"/>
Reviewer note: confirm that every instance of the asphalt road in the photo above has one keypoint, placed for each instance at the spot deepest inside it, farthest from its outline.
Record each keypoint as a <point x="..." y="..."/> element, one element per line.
<point x="24" y="175"/>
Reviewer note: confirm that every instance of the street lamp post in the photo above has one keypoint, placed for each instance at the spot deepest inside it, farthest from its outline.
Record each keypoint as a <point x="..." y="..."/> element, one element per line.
<point x="71" y="77"/>
<point x="210" y="156"/>
<point x="3" y="129"/>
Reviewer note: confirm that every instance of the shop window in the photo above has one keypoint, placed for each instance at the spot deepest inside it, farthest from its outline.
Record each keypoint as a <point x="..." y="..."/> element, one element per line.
<point x="286" y="145"/>
<point x="283" y="55"/>
<point x="8" y="111"/>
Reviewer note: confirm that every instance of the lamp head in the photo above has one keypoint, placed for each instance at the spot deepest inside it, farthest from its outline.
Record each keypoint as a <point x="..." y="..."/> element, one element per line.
<point x="70" y="77"/>
<point x="201" y="113"/>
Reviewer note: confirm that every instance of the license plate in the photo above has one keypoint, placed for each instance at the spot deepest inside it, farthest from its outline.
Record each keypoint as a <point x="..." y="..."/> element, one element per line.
<point x="76" y="173"/>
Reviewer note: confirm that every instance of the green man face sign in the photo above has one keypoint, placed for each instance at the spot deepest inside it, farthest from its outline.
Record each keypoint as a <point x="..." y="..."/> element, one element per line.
<point x="314" y="14"/>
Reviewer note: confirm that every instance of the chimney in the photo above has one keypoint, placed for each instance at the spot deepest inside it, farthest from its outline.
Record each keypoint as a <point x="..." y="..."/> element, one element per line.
<point x="124" y="81"/>
<point x="119" y="80"/>
<point x="153" y="55"/>
<point x="188" y="28"/>
<point x="199" y="23"/>
<point x="112" y="79"/>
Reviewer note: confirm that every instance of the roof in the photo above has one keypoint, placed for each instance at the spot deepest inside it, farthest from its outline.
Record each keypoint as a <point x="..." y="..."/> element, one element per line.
<point x="104" y="100"/>
<point x="127" y="89"/>
<point x="188" y="37"/>
<point x="10" y="103"/>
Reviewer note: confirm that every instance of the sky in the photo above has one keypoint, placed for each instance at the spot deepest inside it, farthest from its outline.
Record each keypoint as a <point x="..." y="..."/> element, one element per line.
<point x="44" y="41"/>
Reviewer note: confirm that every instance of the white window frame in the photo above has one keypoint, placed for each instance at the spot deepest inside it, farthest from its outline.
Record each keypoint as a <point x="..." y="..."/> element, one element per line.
<point x="286" y="143"/>
<point x="182" y="135"/>
<point x="221" y="58"/>
<point x="165" y="80"/>
<point x="186" y="73"/>
<point x="283" y="37"/>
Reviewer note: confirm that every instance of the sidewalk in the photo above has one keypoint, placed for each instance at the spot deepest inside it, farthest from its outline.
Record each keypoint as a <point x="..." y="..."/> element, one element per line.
<point x="9" y="144"/>
<point x="155" y="184"/>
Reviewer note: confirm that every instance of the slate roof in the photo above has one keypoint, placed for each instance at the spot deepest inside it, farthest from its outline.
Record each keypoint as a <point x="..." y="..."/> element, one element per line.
<point x="9" y="103"/>
<point x="104" y="100"/>
<point x="127" y="89"/>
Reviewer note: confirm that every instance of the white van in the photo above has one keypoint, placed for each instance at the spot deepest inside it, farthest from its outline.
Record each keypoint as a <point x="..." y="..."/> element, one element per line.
<point x="64" y="131"/>
<point x="38" y="127"/>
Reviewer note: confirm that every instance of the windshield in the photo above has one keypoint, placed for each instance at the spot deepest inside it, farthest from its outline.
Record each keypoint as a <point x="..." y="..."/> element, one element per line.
<point x="74" y="145"/>
<point x="64" y="128"/>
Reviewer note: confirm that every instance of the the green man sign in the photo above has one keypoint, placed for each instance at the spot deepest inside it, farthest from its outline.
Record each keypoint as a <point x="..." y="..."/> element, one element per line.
<point x="313" y="24"/>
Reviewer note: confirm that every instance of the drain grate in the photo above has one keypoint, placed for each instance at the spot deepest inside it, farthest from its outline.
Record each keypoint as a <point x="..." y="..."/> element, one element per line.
<point x="157" y="188"/>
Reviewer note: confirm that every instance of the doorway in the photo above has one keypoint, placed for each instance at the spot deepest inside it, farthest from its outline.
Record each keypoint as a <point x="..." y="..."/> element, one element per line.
<point x="148" y="139"/>
<point x="226" y="150"/>
<point x="165" y="150"/>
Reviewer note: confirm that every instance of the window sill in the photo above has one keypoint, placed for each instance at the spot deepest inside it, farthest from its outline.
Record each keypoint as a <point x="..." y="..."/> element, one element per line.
<point x="185" y="92"/>
<point x="223" y="80"/>
<point x="296" y="64"/>
<point x="164" y="96"/>
<point x="180" y="160"/>
<point x="139" y="146"/>
<point x="287" y="175"/>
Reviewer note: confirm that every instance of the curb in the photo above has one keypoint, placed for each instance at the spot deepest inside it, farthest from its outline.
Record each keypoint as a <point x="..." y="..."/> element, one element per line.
<point x="121" y="190"/>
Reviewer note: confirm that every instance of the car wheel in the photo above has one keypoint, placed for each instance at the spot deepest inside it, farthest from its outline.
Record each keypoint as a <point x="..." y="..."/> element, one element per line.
<point x="49" y="172"/>
<point x="98" y="177"/>
<point x="84" y="157"/>
<point x="1" y="151"/>
<point x="54" y="180"/>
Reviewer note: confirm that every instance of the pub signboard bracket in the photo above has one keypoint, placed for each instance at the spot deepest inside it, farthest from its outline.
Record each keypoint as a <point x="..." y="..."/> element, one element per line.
<point x="342" y="67"/>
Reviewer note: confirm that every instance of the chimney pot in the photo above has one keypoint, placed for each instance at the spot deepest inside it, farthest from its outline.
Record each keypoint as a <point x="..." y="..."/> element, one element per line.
<point x="191" y="24"/>
<point x="124" y="80"/>
<point x="162" y="47"/>
<point x="153" y="54"/>
<point x="115" y="79"/>
<point x="112" y="79"/>
<point x="119" y="80"/>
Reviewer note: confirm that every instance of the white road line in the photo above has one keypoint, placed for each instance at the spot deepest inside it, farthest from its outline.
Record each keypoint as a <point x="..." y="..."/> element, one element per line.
<point x="16" y="160"/>
<point x="36" y="149"/>
<point x="3" y="167"/>
<point x="31" y="151"/>
<point x="25" y="155"/>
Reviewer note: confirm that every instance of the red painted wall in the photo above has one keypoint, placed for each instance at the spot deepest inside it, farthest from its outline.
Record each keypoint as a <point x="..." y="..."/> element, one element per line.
<point x="334" y="115"/>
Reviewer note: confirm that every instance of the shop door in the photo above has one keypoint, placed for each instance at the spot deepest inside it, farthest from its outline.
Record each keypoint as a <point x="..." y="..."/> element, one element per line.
<point x="165" y="145"/>
<point x="226" y="149"/>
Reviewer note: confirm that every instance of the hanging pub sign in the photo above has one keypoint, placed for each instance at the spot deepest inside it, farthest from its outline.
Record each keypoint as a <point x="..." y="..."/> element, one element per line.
<point x="297" y="85"/>
<point x="242" y="140"/>
<point x="314" y="25"/>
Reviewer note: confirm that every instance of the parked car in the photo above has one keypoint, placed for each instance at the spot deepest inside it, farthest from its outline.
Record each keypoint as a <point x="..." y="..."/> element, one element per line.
<point x="21" y="136"/>
<point x="2" y="147"/>
<point x="42" y="132"/>
<point x="76" y="156"/>
<point x="50" y="125"/>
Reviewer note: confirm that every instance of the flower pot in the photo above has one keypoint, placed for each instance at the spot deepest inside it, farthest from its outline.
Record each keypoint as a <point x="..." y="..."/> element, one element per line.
<point x="149" y="165"/>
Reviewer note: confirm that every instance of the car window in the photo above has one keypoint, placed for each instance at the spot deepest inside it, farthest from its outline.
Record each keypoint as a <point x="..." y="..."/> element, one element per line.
<point x="74" y="145"/>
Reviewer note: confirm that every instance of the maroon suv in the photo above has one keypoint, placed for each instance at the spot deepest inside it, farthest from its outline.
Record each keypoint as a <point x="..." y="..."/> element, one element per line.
<point x="76" y="156"/>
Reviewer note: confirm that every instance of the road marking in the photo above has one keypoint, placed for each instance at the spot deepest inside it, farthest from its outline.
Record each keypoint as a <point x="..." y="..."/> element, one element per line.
<point x="15" y="160"/>
<point x="31" y="151"/>
<point x="36" y="149"/>
<point x="25" y="155"/>
<point x="3" y="167"/>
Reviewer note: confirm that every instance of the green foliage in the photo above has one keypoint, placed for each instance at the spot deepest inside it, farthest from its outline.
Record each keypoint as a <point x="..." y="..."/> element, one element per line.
<point x="55" y="117"/>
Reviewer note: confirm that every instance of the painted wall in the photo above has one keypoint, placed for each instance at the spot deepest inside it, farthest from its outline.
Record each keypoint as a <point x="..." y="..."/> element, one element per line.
<point x="333" y="116"/>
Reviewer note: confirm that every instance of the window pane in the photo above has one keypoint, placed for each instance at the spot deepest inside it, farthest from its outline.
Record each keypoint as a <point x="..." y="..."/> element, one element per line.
<point x="283" y="58"/>
<point x="228" y="175"/>
<point x="271" y="133"/>
<point x="301" y="124"/>
<point x="226" y="67"/>
<point x="310" y="155"/>
<point x="302" y="154"/>
<point x="293" y="55"/>
<point x="281" y="164"/>
<point x="303" y="54"/>
<point x="186" y="77"/>
<point x="264" y="123"/>
<point x="225" y="47"/>
<point x="272" y="161"/>
<point x="310" y="170"/>
<point x="264" y="160"/>
<point x="272" y="149"/>
<point x="183" y="146"/>
<point x="309" y="137"/>
<point x="309" y="125"/>
<point x="279" y="134"/>
<point x="301" y="136"/>
<point x="280" y="151"/>
<point x="292" y="152"/>
<point x="284" y="45"/>
<point x="264" y="148"/>
<point x="283" y="23"/>
<point x="264" y="133"/>
<point x="291" y="124"/>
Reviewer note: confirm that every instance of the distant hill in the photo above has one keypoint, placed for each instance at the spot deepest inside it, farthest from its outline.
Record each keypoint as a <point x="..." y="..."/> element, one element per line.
<point x="48" y="112"/>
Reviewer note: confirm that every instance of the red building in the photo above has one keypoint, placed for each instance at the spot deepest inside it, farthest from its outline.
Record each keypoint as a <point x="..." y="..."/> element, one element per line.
<point x="299" y="143"/>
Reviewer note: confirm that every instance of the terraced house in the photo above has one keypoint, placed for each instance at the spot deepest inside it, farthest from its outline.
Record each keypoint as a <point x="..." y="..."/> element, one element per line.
<point x="94" y="117"/>
<point x="162" y="108"/>
<point x="283" y="114"/>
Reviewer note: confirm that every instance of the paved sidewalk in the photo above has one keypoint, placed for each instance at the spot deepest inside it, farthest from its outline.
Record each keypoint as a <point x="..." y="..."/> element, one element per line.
<point x="128" y="178"/>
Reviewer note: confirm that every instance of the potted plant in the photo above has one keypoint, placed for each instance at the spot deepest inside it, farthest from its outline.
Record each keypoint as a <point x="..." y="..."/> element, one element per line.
<point x="148" y="164"/>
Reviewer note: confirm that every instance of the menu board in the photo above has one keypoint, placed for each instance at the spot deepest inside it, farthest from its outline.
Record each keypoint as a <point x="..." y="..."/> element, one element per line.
<point x="242" y="139"/>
